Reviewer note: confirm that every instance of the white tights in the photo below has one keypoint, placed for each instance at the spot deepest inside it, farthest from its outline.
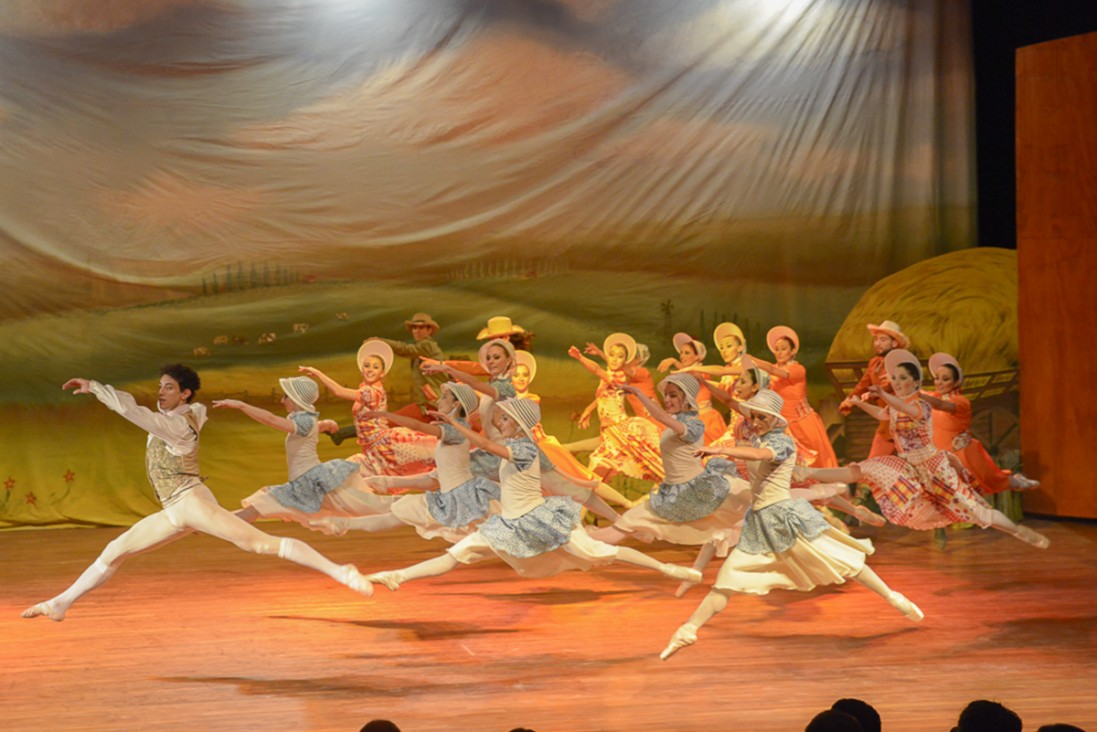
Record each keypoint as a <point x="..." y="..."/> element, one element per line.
<point x="197" y="511"/>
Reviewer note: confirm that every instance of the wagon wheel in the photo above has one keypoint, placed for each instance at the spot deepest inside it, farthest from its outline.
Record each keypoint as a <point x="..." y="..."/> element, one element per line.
<point x="998" y="428"/>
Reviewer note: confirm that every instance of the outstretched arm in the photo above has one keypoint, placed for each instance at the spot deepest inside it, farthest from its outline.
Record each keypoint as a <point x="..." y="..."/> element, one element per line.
<point x="939" y="404"/>
<point x="584" y="418"/>
<point x="588" y="364"/>
<point x="172" y="429"/>
<point x="333" y="386"/>
<point x="654" y="409"/>
<point x="474" y="437"/>
<point x="721" y="394"/>
<point x="259" y="414"/>
<point x="430" y="366"/>
<point x="410" y="422"/>
<point x="736" y="453"/>
<point x="897" y="403"/>
<point x="770" y="368"/>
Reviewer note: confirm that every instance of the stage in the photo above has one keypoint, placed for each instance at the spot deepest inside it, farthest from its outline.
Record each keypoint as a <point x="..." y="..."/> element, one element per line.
<point x="199" y="635"/>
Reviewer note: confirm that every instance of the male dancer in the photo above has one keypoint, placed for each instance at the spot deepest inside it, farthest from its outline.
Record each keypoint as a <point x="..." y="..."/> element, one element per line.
<point x="171" y="460"/>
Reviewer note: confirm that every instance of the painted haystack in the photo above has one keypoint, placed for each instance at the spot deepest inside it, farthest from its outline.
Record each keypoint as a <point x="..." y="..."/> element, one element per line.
<point x="963" y="303"/>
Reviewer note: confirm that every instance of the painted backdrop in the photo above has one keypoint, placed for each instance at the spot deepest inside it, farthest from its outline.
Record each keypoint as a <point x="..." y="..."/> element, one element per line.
<point x="180" y="177"/>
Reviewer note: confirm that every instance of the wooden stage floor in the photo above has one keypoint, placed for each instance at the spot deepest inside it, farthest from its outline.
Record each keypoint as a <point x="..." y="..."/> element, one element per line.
<point x="198" y="635"/>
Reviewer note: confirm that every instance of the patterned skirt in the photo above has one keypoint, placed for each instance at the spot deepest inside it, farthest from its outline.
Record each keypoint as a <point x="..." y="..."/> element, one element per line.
<point x="630" y="447"/>
<point x="302" y="498"/>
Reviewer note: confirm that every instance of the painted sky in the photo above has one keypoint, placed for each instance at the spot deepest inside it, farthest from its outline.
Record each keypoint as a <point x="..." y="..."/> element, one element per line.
<point x="146" y="142"/>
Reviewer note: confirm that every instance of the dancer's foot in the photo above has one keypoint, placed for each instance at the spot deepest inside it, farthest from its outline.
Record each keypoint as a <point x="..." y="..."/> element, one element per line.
<point x="331" y="525"/>
<point x="834" y="520"/>
<point x="865" y="516"/>
<point x="801" y="474"/>
<point x="909" y="610"/>
<point x="1034" y="538"/>
<point x="686" y="574"/>
<point x="1020" y="482"/>
<point x="355" y="580"/>
<point x="684" y="588"/>
<point x="686" y="635"/>
<point x="44" y="609"/>
<point x="391" y="580"/>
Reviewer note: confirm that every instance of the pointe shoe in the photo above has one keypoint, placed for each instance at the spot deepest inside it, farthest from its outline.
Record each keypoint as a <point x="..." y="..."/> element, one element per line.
<point x="686" y="635"/>
<point x="686" y="574"/>
<point x="1034" y="538"/>
<point x="684" y="588"/>
<point x="356" y="581"/>
<point x="865" y="516"/>
<point x="43" y="609"/>
<point x="391" y="580"/>
<point x="331" y="525"/>
<point x="1019" y="482"/>
<point x="909" y="610"/>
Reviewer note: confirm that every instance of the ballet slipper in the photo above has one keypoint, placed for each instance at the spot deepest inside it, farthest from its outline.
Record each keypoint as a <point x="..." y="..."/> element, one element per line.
<point x="391" y="580"/>
<point x="331" y="525"/>
<point x="686" y="635"/>
<point x="43" y="609"/>
<point x="686" y="574"/>
<point x="684" y="588"/>
<point x="833" y="520"/>
<point x="909" y="610"/>
<point x="865" y="516"/>
<point x="1034" y="538"/>
<point x="356" y="581"/>
<point x="1020" y="482"/>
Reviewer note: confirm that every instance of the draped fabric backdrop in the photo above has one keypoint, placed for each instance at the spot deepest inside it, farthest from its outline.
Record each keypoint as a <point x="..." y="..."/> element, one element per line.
<point x="173" y="172"/>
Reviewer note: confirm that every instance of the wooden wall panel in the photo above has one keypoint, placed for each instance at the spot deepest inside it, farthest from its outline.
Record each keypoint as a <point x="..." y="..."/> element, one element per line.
<point x="1057" y="259"/>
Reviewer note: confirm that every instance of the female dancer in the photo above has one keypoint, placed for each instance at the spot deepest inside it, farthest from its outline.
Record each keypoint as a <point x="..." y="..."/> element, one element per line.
<point x="786" y="543"/>
<point x="385" y="450"/>
<point x="536" y="536"/>
<point x="951" y="425"/>
<point x="691" y="355"/>
<point x="790" y="381"/>
<point x="455" y="499"/>
<point x="627" y="444"/>
<point x="918" y="488"/>
<point x="749" y="383"/>
<point x="314" y="488"/>
<point x="698" y="504"/>
<point x="559" y="457"/>
<point x="636" y="373"/>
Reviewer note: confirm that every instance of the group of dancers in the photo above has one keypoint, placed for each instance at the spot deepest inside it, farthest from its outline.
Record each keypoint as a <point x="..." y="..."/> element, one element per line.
<point x="471" y="463"/>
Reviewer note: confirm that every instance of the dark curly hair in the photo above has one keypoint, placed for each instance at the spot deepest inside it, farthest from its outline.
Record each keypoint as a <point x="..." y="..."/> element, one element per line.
<point x="185" y="376"/>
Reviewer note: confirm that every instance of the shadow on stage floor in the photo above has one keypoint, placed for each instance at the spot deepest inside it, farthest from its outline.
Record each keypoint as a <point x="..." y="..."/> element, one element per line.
<point x="198" y="635"/>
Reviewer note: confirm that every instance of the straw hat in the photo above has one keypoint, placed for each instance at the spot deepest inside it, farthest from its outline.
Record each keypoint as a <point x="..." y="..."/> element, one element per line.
<point x="728" y="329"/>
<point x="499" y="326"/>
<point x="422" y="319"/>
<point x="502" y="343"/>
<point x="376" y="348"/>
<point x="891" y="328"/>
<point x="778" y="332"/>
<point x="897" y="356"/>
<point x="683" y="339"/>
<point x="765" y="401"/>
<point x="466" y="396"/>
<point x="302" y="391"/>
<point x="620" y="339"/>
<point x="525" y="358"/>
<point x="940" y="359"/>
<point x="526" y="412"/>
<point x="688" y="384"/>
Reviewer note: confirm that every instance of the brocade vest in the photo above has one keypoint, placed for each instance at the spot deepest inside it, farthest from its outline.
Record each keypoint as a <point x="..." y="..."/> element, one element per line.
<point x="172" y="475"/>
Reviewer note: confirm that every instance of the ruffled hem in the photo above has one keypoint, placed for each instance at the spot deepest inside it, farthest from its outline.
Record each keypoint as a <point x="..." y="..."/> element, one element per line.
<point x="306" y="492"/>
<point x="540" y="530"/>
<point x="721" y="527"/>
<point x="464" y="504"/>
<point x="778" y="526"/>
<point x="829" y="559"/>
<point x="414" y="512"/>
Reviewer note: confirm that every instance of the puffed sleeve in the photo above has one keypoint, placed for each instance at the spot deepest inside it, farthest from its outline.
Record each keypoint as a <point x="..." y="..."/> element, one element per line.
<point x="523" y="453"/>
<point x="303" y="422"/>
<point x="695" y="428"/>
<point x="779" y="443"/>
<point x="450" y="435"/>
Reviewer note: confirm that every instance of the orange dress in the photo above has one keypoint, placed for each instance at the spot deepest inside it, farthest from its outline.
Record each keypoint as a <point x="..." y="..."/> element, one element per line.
<point x="874" y="375"/>
<point x="803" y="422"/>
<point x="558" y="455"/>
<point x="950" y="433"/>
<point x="715" y="426"/>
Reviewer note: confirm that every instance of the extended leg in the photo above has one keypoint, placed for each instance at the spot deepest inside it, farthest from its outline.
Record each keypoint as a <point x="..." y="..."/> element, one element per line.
<point x="871" y="580"/>
<point x="686" y="635"/>
<point x="429" y="568"/>
<point x="1001" y="522"/>
<point x="339" y="525"/>
<point x="147" y="534"/>
<point x="704" y="556"/>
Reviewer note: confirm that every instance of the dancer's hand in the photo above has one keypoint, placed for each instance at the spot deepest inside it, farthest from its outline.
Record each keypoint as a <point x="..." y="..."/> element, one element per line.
<point x="228" y="404"/>
<point x="592" y="350"/>
<point x="584" y="421"/>
<point x="666" y="363"/>
<point x="574" y="352"/>
<point x="748" y="362"/>
<point x="433" y="366"/>
<point x="706" y="450"/>
<point x="79" y="386"/>
<point x="327" y="426"/>
<point x="373" y="414"/>
<point x="310" y="371"/>
<point x="627" y="388"/>
<point x="440" y="417"/>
